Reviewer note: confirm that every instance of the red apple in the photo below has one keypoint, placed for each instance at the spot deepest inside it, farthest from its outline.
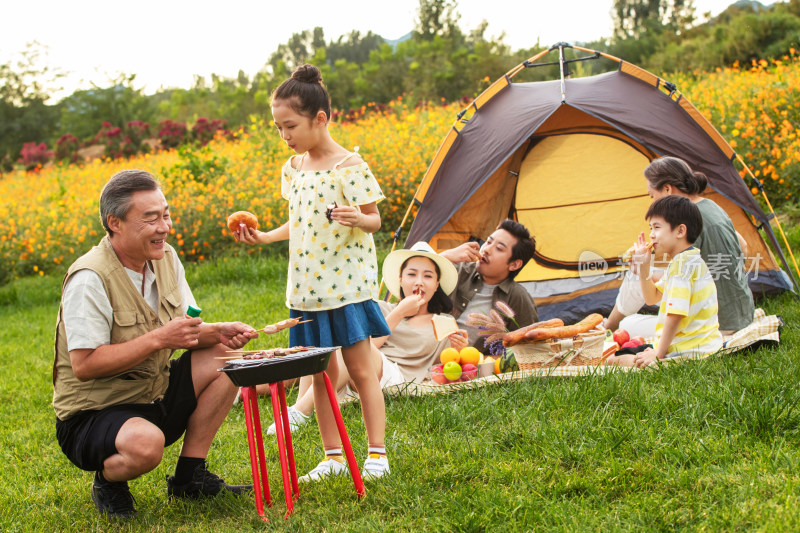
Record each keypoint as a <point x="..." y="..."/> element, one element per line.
<point x="437" y="376"/>
<point x="469" y="371"/>
<point x="640" y="340"/>
<point x="629" y="344"/>
<point x="636" y="341"/>
<point x="621" y="336"/>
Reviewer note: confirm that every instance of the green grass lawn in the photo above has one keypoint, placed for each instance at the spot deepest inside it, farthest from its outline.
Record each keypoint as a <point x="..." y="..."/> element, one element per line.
<point x="706" y="445"/>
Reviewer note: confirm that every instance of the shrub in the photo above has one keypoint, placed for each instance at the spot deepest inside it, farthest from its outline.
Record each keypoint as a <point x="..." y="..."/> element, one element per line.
<point x="113" y="138"/>
<point x="171" y="133"/>
<point x="204" y="130"/>
<point x="203" y="165"/>
<point x="137" y="132"/>
<point x="67" y="148"/>
<point x="34" y="156"/>
<point x="6" y="164"/>
<point x="125" y="142"/>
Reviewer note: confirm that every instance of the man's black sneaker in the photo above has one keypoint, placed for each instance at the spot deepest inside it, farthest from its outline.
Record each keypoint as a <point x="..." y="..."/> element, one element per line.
<point x="203" y="483"/>
<point x="113" y="499"/>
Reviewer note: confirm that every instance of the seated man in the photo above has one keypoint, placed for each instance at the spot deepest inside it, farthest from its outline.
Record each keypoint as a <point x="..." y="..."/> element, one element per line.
<point x="119" y="399"/>
<point x="486" y="274"/>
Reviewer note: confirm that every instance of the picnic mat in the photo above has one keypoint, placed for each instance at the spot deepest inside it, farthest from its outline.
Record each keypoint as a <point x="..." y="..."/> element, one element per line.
<point x="764" y="329"/>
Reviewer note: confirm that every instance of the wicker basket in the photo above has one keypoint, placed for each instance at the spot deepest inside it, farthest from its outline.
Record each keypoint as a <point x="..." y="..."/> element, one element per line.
<point x="582" y="350"/>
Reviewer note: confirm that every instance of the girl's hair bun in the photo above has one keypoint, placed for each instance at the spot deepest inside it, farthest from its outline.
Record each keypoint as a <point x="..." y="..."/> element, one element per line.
<point x="307" y="74"/>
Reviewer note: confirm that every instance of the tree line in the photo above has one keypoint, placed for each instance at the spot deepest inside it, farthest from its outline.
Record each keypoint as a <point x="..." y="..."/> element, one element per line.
<point x="438" y="60"/>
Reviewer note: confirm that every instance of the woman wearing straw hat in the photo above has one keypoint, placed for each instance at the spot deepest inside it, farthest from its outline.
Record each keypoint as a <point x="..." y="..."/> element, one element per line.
<point x="422" y="280"/>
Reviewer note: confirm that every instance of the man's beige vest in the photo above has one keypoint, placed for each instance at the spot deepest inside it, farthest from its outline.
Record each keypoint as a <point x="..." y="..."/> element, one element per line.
<point x="132" y="318"/>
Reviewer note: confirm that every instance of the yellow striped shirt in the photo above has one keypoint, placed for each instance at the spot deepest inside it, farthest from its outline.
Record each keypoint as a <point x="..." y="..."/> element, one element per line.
<point x="688" y="290"/>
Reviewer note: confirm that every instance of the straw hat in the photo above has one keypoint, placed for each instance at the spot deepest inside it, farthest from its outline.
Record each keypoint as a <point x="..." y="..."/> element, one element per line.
<point x="448" y="276"/>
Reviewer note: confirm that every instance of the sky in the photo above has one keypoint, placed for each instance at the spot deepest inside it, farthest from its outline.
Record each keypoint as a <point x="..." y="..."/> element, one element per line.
<point x="166" y="43"/>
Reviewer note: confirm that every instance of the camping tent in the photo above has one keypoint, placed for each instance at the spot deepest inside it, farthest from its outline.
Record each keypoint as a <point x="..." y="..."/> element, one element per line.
<point x="565" y="157"/>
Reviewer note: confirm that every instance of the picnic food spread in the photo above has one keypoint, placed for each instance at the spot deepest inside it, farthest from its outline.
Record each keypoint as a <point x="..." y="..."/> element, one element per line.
<point x="242" y="217"/>
<point x="551" y="330"/>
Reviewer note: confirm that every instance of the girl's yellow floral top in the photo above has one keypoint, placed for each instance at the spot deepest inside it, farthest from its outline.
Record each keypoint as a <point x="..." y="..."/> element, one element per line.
<point x="330" y="265"/>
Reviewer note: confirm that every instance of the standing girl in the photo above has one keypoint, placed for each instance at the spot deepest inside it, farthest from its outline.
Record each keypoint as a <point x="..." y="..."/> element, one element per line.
<point x="333" y="268"/>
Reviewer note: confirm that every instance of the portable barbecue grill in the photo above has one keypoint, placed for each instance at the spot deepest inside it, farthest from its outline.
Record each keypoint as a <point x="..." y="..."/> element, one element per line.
<point x="247" y="373"/>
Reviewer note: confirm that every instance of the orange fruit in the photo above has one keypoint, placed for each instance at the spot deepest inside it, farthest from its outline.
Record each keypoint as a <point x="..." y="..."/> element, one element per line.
<point x="497" y="365"/>
<point x="449" y="354"/>
<point x="471" y="355"/>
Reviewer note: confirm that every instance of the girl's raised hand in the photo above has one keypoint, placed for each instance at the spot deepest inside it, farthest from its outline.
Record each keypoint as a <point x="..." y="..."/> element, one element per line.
<point x="346" y="215"/>
<point x="247" y="235"/>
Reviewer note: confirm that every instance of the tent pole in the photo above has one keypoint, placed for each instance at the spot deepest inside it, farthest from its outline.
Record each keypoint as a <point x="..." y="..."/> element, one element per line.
<point x="774" y="216"/>
<point x="561" y="68"/>
<point x="399" y="230"/>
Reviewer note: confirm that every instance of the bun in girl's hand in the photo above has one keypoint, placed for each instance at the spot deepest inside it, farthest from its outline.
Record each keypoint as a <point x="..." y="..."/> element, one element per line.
<point x="242" y="217"/>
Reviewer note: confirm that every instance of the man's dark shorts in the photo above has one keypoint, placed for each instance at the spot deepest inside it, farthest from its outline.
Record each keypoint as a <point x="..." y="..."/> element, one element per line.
<point x="87" y="438"/>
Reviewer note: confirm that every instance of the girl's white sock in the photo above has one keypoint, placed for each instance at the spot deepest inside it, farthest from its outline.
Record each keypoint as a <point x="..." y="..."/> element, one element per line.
<point x="335" y="454"/>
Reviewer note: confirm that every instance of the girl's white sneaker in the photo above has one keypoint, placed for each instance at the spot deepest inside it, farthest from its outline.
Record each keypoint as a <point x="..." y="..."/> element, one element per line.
<point x="296" y="419"/>
<point x="326" y="468"/>
<point x="375" y="466"/>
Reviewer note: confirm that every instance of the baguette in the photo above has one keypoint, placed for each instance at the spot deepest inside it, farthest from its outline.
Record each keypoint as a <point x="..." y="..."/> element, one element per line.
<point x="514" y="337"/>
<point x="563" y="332"/>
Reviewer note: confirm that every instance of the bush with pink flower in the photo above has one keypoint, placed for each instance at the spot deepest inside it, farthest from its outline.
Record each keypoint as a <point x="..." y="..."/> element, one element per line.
<point x="67" y="148"/>
<point x="171" y="133"/>
<point x="34" y="156"/>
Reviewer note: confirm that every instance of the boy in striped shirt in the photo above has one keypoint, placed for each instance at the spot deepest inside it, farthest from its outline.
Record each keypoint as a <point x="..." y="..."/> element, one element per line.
<point x="686" y="294"/>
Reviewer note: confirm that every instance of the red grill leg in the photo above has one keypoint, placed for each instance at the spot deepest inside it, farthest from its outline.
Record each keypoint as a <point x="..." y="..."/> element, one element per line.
<point x="279" y="421"/>
<point x="248" y="395"/>
<point x="289" y="446"/>
<point x="260" y="442"/>
<point x="348" y="449"/>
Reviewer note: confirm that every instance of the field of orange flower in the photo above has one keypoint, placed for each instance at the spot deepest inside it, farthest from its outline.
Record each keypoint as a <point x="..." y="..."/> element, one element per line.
<point x="49" y="217"/>
<point x="756" y="107"/>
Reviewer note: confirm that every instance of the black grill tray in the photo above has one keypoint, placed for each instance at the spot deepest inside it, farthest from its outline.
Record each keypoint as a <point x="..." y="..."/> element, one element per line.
<point x="258" y="371"/>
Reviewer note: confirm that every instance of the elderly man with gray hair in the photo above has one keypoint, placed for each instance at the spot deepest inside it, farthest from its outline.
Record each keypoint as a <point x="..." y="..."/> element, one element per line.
<point x="119" y="396"/>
